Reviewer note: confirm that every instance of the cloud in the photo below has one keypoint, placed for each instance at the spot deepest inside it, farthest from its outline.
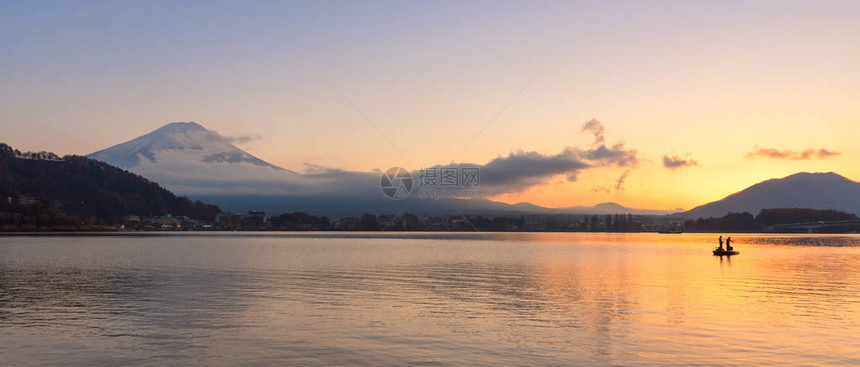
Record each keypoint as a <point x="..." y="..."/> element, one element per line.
<point x="620" y="183"/>
<point x="596" y="128"/>
<point x="603" y="189"/>
<point x="792" y="155"/>
<point x="616" y="155"/>
<point x="674" y="162"/>
<point x="243" y="138"/>
<point x="521" y="170"/>
<point x="237" y="139"/>
<point x="603" y="155"/>
<point x="514" y="173"/>
<point x="824" y="153"/>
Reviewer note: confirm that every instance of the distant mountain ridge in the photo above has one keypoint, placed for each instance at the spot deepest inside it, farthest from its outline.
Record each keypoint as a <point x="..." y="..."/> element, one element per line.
<point x="355" y="206"/>
<point x="190" y="160"/>
<point x="800" y="190"/>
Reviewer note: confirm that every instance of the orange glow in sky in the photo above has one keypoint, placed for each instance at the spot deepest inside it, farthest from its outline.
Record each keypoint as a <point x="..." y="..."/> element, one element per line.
<point x="709" y="82"/>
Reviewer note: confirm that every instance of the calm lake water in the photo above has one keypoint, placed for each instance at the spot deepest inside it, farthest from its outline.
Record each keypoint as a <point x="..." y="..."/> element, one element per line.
<point x="428" y="299"/>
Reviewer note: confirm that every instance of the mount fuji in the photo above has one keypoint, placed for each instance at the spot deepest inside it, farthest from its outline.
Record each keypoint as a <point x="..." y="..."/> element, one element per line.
<point x="178" y="141"/>
<point x="187" y="158"/>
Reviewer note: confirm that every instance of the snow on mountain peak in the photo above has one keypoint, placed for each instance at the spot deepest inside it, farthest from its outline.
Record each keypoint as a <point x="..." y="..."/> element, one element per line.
<point x="186" y="142"/>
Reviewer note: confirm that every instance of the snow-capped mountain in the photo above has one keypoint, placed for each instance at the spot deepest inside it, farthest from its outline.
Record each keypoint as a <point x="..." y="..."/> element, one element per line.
<point x="188" y="159"/>
<point x="187" y="141"/>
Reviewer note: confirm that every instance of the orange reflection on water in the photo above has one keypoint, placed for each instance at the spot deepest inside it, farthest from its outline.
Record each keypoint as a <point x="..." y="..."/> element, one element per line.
<point x="446" y="299"/>
<point x="768" y="303"/>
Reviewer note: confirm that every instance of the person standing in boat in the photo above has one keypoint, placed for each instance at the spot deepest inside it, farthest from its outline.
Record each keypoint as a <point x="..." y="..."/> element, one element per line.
<point x="721" y="243"/>
<point x="729" y="244"/>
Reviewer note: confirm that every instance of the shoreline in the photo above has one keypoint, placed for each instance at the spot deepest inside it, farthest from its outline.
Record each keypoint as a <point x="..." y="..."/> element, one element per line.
<point x="372" y="233"/>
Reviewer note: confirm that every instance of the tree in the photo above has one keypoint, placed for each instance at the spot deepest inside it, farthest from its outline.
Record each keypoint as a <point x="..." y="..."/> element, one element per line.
<point x="368" y="223"/>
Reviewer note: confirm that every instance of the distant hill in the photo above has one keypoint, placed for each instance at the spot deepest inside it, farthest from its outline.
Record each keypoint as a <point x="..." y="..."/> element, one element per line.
<point x="355" y="206"/>
<point x="612" y="208"/>
<point x="87" y="188"/>
<point x="801" y="190"/>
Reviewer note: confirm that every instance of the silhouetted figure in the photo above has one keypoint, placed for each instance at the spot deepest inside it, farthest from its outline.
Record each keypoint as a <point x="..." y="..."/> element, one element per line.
<point x="729" y="244"/>
<point x="721" y="243"/>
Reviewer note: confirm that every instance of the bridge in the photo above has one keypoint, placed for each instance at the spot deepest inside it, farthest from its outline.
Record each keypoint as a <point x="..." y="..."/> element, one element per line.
<point x="812" y="226"/>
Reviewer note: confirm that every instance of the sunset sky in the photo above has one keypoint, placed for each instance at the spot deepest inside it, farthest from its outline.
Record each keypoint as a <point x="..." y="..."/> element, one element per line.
<point x="739" y="91"/>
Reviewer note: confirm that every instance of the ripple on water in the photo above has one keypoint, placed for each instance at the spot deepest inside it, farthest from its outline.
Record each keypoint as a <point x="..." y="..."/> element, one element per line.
<point x="424" y="300"/>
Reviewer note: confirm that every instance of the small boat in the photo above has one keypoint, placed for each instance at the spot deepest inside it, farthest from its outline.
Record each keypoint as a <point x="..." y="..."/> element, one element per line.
<point x="721" y="252"/>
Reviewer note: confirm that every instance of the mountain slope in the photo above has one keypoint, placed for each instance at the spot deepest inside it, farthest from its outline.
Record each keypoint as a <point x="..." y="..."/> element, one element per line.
<point x="187" y="158"/>
<point x="89" y="188"/>
<point x="186" y="140"/>
<point x="801" y="190"/>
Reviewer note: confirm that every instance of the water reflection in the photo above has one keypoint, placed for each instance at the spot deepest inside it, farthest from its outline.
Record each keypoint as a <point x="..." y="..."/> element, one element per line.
<point x="167" y="311"/>
<point x="533" y="299"/>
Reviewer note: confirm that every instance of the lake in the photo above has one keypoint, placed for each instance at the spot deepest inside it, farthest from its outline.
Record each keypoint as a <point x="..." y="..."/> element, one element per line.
<point x="428" y="299"/>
